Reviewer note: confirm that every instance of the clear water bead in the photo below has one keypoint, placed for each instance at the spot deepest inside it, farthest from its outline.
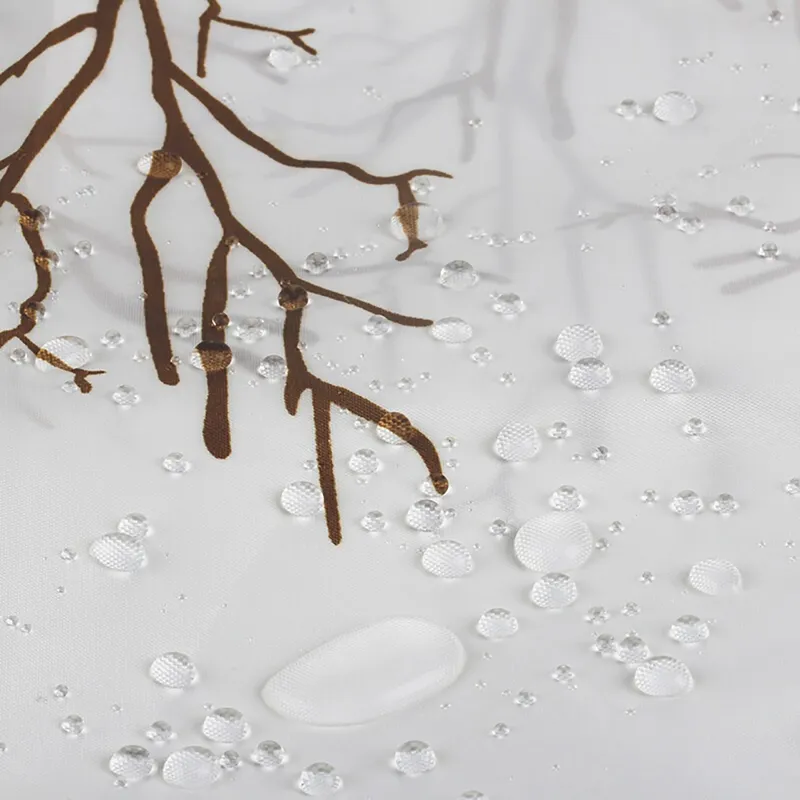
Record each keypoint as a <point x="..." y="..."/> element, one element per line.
<point x="556" y="542"/>
<point x="632" y="650"/>
<point x="364" y="462"/>
<point x="225" y="725"/>
<point x="517" y="441"/>
<point x="689" y="629"/>
<point x="284" y="59"/>
<point x="564" y="674"/>
<point x="649" y="496"/>
<point x="508" y="304"/>
<point x="675" y="108"/>
<point x="500" y="731"/>
<point x="666" y="214"/>
<point x="269" y="755"/>
<point x="458" y="275"/>
<point x="663" y="676"/>
<point x="134" y="525"/>
<point x="132" y="763"/>
<point x="425" y="515"/>
<point x="421" y="185"/>
<point x="83" y="249"/>
<point x="173" y="670"/>
<point x="628" y="109"/>
<point x="61" y="691"/>
<point x="566" y="498"/>
<point x="500" y="527"/>
<point x="74" y="352"/>
<point x="317" y="263"/>
<point x="191" y="768"/>
<point x="186" y="327"/>
<point x="452" y="330"/>
<point x="672" y="377"/>
<point x="769" y="251"/>
<point x="125" y="396"/>
<point x="118" y="551"/>
<point x="724" y="504"/>
<point x="481" y="356"/>
<point x="176" y="463"/>
<point x="559" y="430"/>
<point x="715" y="576"/>
<point x="694" y="427"/>
<point x="605" y="645"/>
<point x="661" y="319"/>
<point x="377" y="325"/>
<point x="319" y="779"/>
<point x="690" y="225"/>
<point x="589" y="374"/>
<point x="631" y="609"/>
<point x="230" y="760"/>
<point x="554" y="590"/>
<point x="414" y="758"/>
<point x="19" y="356"/>
<point x="577" y="342"/>
<point x="686" y="503"/>
<point x="374" y="521"/>
<point x="160" y="164"/>
<point x="417" y="219"/>
<point x="740" y="206"/>
<point x="302" y="499"/>
<point x="447" y="559"/>
<point x="792" y="487"/>
<point x="497" y="623"/>
<point x="251" y="329"/>
<point x="160" y="732"/>
<point x="525" y="699"/>
<point x="112" y="339"/>
<point x="73" y="725"/>
<point x="272" y="368"/>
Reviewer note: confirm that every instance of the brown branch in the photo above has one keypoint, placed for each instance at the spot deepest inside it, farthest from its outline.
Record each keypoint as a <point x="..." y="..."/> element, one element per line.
<point x="7" y="160"/>
<point x="28" y="317"/>
<point x="212" y="14"/>
<point x="402" y="182"/>
<point x="104" y="20"/>
<point x="327" y="475"/>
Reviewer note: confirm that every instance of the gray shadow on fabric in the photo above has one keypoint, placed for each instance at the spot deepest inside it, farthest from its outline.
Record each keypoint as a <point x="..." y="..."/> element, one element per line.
<point x="561" y="123"/>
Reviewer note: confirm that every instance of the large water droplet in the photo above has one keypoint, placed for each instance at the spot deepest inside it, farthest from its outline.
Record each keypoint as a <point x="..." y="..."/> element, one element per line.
<point x="458" y="275"/>
<point x="663" y="676"/>
<point x="578" y="341"/>
<point x="447" y="559"/>
<point x="119" y="551"/>
<point x="317" y="263"/>
<point x="418" y="219"/>
<point x="186" y="327"/>
<point x="425" y="515"/>
<point x="632" y="650"/>
<point x="517" y="441"/>
<point x="284" y="59"/>
<point x="554" y="590"/>
<point x="269" y="755"/>
<point x="302" y="499"/>
<point x="173" y="670"/>
<point x="715" y="576"/>
<point x="272" y="368"/>
<point x="74" y="352"/>
<point x="225" y="725"/>
<point x="672" y="377"/>
<point x="414" y="758"/>
<point x="452" y="330"/>
<point x="364" y="462"/>
<point x="251" y="329"/>
<point x="555" y="542"/>
<point x="160" y="164"/>
<point x="589" y="374"/>
<point x="319" y="779"/>
<point x="675" y="108"/>
<point x="741" y="206"/>
<point x="364" y="674"/>
<point x="191" y="768"/>
<point x="508" y="304"/>
<point x="132" y="763"/>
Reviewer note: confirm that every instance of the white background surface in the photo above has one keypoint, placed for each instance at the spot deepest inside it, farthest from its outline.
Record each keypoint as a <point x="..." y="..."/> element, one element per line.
<point x="261" y="587"/>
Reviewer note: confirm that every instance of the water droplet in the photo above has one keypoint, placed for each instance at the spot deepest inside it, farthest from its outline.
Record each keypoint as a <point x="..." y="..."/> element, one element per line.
<point x="481" y="356"/>
<point x="632" y="650"/>
<point x="83" y="249"/>
<point x="508" y="378"/>
<point x="406" y="385"/>
<point x="160" y="732"/>
<point x="11" y="621"/>
<point x="186" y="327"/>
<point x="715" y="576"/>
<point x="694" y="427"/>
<point x="769" y="251"/>
<point x="377" y="325"/>
<point x="374" y="522"/>
<point x="112" y="339"/>
<point x="497" y="623"/>
<point x="689" y="629"/>
<point x="421" y="185"/>
<point x="566" y="498"/>
<point x="191" y="768"/>
<point x="239" y="291"/>
<point x="458" y="275"/>
<point x="132" y="763"/>
<point x="690" y="225"/>
<point x="686" y="503"/>
<point x="508" y="304"/>
<point x="125" y="396"/>
<point x="73" y="725"/>
<point x="631" y="609"/>
<point x="419" y="219"/>
<point x="160" y="164"/>
<point x="425" y="515"/>
<point x="628" y="109"/>
<point x="61" y="691"/>
<point x="452" y="330"/>
<point x="269" y="755"/>
<point x="589" y="374"/>
<point x="134" y="525"/>
<point x="69" y="387"/>
<point x="775" y="17"/>
<point x="302" y="499"/>
<point x="272" y="368"/>
<point x="176" y="463"/>
<point x="675" y="108"/>
<point x="672" y="377"/>
<point x="527" y="237"/>
<point x="554" y="590"/>
<point x="577" y="342"/>
<point x="317" y="263"/>
<point x="605" y="645"/>
<point x="601" y="453"/>
<point x="517" y="441"/>
<point x="525" y="699"/>
<point x="230" y="760"/>
<point x="666" y="214"/>
<point x="447" y="559"/>
<point x="500" y="731"/>
<point x="319" y="779"/>
<point x="19" y="356"/>
<point x="563" y="674"/>
<point x="173" y="670"/>
<point x="597" y="615"/>
<point x="68" y="554"/>
<point x="647" y="577"/>
<point x="414" y="758"/>
<point x="364" y="462"/>
<point x="283" y="59"/>
<point x="225" y="725"/>
<point x="724" y="504"/>
<point x="661" y="319"/>
<point x="740" y="206"/>
<point x="707" y="171"/>
<point x="118" y="551"/>
<point x="792" y="487"/>
<point x="559" y="430"/>
<point x="74" y="352"/>
<point x="556" y="542"/>
<point x="663" y="676"/>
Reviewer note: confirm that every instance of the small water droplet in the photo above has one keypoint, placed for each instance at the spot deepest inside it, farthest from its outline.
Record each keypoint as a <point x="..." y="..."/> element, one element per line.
<point x="675" y="108"/>
<point x="690" y="225"/>
<point x="160" y="732"/>
<point x="225" y="725"/>
<point x="589" y="374"/>
<point x="125" y="396"/>
<point x="272" y="368"/>
<point x="616" y="528"/>
<point x="554" y="590"/>
<point x="269" y="755"/>
<point x="792" y="487"/>
<point x="663" y="676"/>
<point x="414" y="758"/>
<point x="601" y="453"/>
<point x="665" y="214"/>
<point x="176" y="463"/>
<point x="458" y="275"/>
<point x="605" y="645"/>
<point x="447" y="559"/>
<point x="694" y="427"/>
<point x="173" y="670"/>
<point x="132" y="763"/>
<point x="319" y="779"/>
<point x="672" y="377"/>
<point x="559" y="430"/>
<point x="481" y="356"/>
<point x="501" y="528"/>
<point x="283" y="59"/>
<point x="649" y="496"/>
<point x="740" y="206"/>
<point x="631" y="609"/>
<point x="83" y="249"/>
<point x="563" y="674"/>
<point x="628" y="109"/>
<point x="686" y="503"/>
<point x="566" y="498"/>
<point x="724" y="504"/>
<point x="497" y="623"/>
<point x="61" y="691"/>
<point x="689" y="629"/>
<point x="661" y="319"/>
<point x="425" y="515"/>
<point x="768" y="251"/>
<point x="508" y="304"/>
<point x="73" y="725"/>
<point x="500" y="731"/>
<point x="577" y="342"/>
<point x="632" y="650"/>
<point x="597" y="615"/>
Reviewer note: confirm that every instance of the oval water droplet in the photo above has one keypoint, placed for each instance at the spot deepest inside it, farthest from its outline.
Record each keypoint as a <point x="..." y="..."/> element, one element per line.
<point x="447" y="559"/>
<point x="517" y="441"/>
<point x="675" y="108"/>
<point x="225" y="725"/>
<point x="715" y="576"/>
<point x="173" y="670"/>
<point x="589" y="374"/>
<point x="497" y="623"/>
<point x="132" y="763"/>
<point x="554" y="590"/>
<point x="302" y="499"/>
<point x="578" y="341"/>
<point x="555" y="542"/>
<point x="191" y="768"/>
<point x="672" y="377"/>
<point x="74" y="352"/>
<point x="663" y="676"/>
<point x="452" y="330"/>
<point x="119" y="551"/>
